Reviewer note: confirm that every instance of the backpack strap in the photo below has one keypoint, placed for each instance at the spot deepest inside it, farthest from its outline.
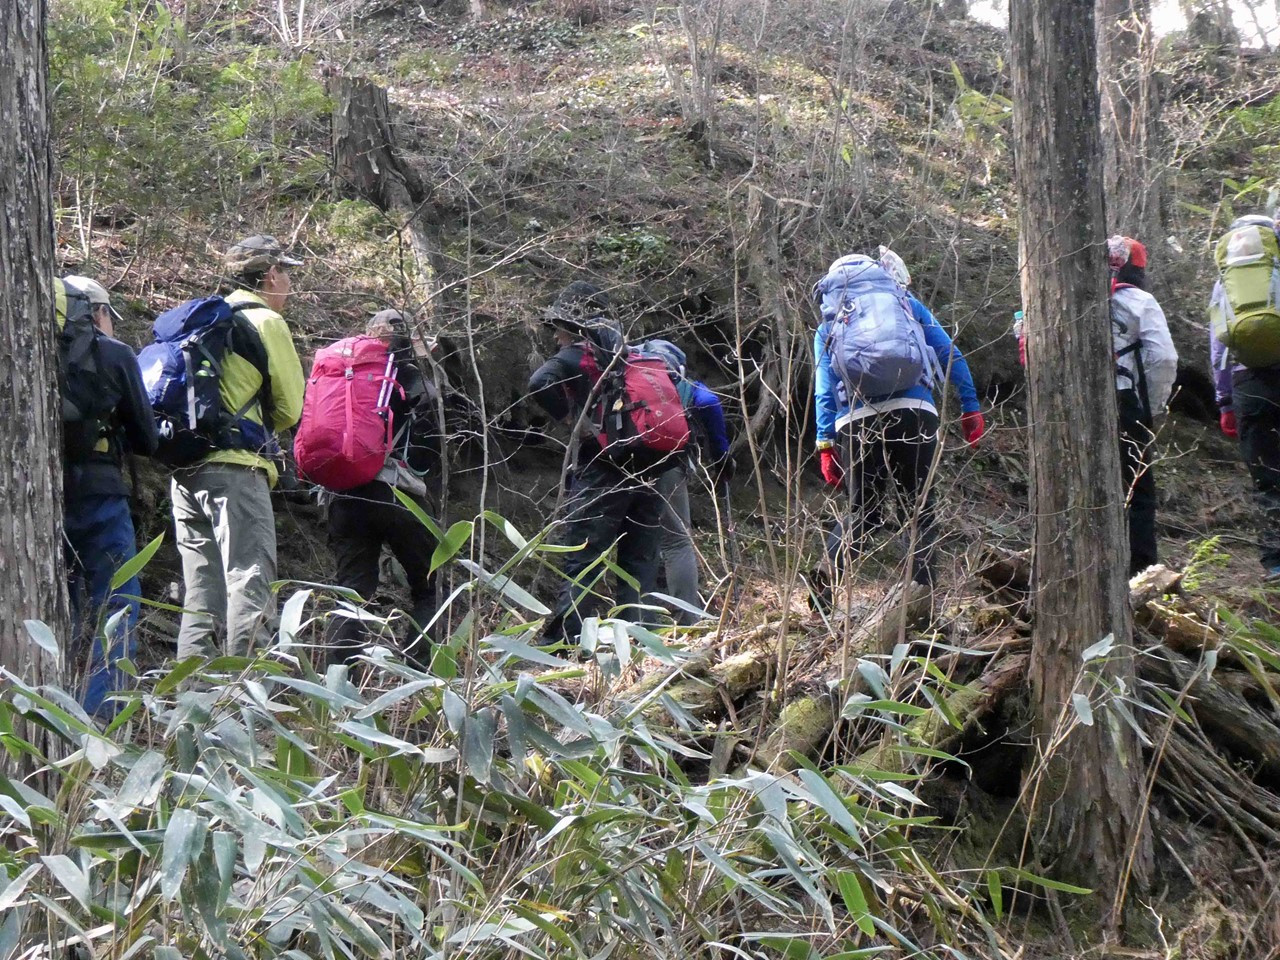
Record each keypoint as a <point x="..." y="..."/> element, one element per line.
<point x="247" y="344"/>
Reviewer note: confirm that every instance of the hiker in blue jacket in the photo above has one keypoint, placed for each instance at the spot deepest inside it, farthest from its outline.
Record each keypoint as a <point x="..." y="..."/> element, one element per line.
<point x="711" y="448"/>
<point x="893" y="437"/>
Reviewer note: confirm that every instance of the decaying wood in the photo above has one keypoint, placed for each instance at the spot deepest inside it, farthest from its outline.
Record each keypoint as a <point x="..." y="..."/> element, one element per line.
<point x="367" y="161"/>
<point x="970" y="705"/>
<point x="1225" y="716"/>
<point x="806" y="723"/>
<point x="1152" y="584"/>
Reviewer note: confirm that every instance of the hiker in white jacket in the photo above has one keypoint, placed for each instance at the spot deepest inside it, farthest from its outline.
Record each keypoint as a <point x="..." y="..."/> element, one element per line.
<point x="1146" y="367"/>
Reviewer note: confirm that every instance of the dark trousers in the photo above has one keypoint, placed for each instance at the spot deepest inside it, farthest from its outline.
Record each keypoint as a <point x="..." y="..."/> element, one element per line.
<point x="361" y="521"/>
<point x="1136" y="438"/>
<point x="99" y="540"/>
<point x="887" y="458"/>
<point x="608" y="506"/>
<point x="1257" y="403"/>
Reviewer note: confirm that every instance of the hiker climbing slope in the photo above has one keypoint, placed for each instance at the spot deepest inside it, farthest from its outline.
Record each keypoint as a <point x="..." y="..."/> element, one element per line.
<point x="1146" y="367"/>
<point x="1244" y="350"/>
<point x="880" y="354"/>
<point x="709" y="451"/>
<point x="370" y="427"/>
<point x="626" y="444"/>
<point x="106" y="417"/>
<point x="224" y="377"/>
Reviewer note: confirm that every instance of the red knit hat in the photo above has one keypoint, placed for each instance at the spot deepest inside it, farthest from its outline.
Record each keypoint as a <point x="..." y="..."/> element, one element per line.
<point x="1122" y="250"/>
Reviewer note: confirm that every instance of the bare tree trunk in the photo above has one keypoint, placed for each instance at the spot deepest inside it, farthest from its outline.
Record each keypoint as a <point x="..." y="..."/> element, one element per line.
<point x="1085" y="807"/>
<point x="1130" y="110"/>
<point x="32" y="585"/>
<point x="367" y="162"/>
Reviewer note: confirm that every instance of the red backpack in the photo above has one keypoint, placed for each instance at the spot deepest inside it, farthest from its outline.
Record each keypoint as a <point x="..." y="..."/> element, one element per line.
<point x="346" y="429"/>
<point x="639" y="416"/>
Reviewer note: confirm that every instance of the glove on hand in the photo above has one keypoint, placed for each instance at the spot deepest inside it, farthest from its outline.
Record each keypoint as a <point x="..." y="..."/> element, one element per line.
<point x="830" y="464"/>
<point x="973" y="427"/>
<point x="1227" y="420"/>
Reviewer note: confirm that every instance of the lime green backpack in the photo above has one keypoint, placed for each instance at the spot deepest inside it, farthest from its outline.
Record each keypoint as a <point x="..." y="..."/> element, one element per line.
<point x="1245" y="309"/>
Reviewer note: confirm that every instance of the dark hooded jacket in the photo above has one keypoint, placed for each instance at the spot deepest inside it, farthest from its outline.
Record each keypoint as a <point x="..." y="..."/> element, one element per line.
<point x="561" y="387"/>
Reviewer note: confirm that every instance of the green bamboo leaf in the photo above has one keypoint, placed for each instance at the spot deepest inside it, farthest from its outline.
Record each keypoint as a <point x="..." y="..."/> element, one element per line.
<point x="448" y="546"/>
<point x="131" y="567"/>
<point x="1047" y="882"/>
<point x="419" y="514"/>
<point x="177" y="853"/>
<point x="39" y="631"/>
<point x="508" y="588"/>
<point x="996" y="891"/>
<point x="74" y="880"/>
<point x="849" y="884"/>
<point x="16" y="887"/>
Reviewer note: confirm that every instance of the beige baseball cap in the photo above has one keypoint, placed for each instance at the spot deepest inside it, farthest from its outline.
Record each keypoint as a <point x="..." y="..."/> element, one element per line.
<point x="257" y="254"/>
<point x="92" y="291"/>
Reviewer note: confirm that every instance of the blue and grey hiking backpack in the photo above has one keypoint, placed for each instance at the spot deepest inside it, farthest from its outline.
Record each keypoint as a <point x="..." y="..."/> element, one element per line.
<point x="875" y="343"/>
<point x="182" y="374"/>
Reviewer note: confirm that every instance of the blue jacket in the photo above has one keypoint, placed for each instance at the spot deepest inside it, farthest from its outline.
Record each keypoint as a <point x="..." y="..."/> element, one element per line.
<point x="704" y="407"/>
<point x="831" y="402"/>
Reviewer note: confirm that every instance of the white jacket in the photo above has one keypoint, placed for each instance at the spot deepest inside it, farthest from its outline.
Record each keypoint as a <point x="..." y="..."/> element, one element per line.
<point x="1136" y="317"/>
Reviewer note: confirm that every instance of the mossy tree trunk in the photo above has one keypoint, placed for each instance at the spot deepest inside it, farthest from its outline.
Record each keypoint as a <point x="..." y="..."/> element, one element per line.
<point x="1086" y="807"/>
<point x="32" y="584"/>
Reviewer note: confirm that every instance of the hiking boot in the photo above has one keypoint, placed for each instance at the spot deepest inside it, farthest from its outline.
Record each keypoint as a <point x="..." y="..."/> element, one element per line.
<point x="820" y="591"/>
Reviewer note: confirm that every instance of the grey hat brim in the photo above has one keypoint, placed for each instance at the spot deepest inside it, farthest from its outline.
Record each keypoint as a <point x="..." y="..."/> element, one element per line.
<point x="288" y="261"/>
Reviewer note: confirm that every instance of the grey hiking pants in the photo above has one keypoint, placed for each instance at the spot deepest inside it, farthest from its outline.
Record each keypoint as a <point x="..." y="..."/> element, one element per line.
<point x="226" y="535"/>
<point x="679" y="560"/>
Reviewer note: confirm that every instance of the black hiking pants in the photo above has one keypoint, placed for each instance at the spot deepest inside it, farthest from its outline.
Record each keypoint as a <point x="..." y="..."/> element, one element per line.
<point x="887" y="458"/>
<point x="1139" y="478"/>
<point x="608" y="506"/>
<point x="361" y="521"/>
<point x="1256" y="395"/>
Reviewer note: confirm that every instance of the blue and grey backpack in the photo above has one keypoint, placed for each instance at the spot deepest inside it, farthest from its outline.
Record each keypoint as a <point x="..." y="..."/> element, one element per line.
<point x="875" y="343"/>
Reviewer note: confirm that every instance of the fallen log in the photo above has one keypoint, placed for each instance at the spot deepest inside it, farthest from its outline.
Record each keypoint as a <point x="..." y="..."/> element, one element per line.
<point x="804" y="725"/>
<point x="970" y="706"/>
<point x="1225" y="716"/>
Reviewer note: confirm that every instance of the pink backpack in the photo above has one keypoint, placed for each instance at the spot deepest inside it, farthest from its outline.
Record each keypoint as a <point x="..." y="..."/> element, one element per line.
<point x="346" y="429"/>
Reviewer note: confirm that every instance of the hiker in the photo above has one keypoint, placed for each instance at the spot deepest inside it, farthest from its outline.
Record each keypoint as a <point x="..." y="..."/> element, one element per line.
<point x="710" y="450"/>
<point x="1146" y="367"/>
<point x="1244" y="350"/>
<point x="106" y="417"/>
<point x="224" y="446"/>
<point x="363" y="437"/>
<point x="879" y="354"/>
<point x="614" y="498"/>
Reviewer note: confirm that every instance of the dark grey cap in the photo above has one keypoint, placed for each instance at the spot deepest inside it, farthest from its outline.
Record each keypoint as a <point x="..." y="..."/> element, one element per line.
<point x="257" y="254"/>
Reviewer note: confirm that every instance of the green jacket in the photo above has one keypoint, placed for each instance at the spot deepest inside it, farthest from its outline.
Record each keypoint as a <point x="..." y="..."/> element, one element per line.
<point x="241" y="380"/>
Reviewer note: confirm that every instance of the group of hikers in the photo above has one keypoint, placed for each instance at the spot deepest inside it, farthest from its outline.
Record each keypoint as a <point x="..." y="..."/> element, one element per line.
<point x="223" y="380"/>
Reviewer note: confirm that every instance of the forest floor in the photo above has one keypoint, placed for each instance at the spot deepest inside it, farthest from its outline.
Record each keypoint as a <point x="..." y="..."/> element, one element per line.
<point x="557" y="147"/>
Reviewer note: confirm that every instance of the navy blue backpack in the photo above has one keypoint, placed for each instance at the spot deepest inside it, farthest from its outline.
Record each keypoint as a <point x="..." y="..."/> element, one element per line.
<point x="182" y="373"/>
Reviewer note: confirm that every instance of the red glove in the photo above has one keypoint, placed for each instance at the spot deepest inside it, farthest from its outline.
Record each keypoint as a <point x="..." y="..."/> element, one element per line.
<point x="973" y="427"/>
<point x="1227" y="420"/>
<point x="830" y="465"/>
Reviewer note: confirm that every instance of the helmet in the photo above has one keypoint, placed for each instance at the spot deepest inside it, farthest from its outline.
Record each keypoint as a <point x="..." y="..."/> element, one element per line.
<point x="894" y="266"/>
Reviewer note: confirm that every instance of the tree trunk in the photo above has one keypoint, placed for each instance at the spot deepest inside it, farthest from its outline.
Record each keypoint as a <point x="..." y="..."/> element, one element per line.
<point x="32" y="585"/>
<point x="1130" y="110"/>
<point x="367" y="162"/>
<point x="1086" y="809"/>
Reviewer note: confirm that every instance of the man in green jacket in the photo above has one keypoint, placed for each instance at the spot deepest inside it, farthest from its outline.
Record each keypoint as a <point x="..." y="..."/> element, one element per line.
<point x="222" y="506"/>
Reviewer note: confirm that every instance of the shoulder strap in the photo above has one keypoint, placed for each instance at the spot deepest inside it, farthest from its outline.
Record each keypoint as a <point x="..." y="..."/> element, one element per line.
<point x="245" y="342"/>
